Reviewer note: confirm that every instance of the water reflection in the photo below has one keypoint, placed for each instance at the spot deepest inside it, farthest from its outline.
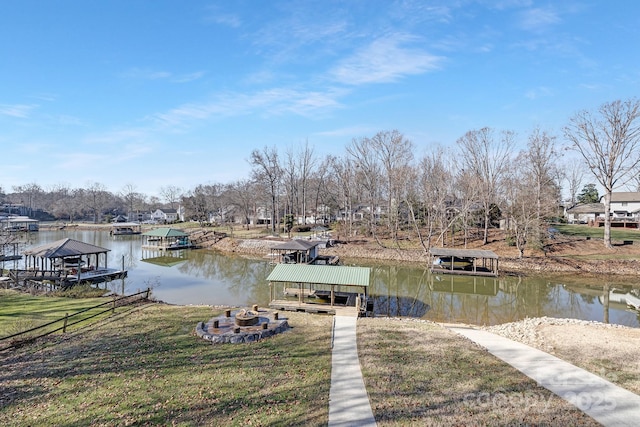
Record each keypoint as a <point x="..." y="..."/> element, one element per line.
<point x="208" y="277"/>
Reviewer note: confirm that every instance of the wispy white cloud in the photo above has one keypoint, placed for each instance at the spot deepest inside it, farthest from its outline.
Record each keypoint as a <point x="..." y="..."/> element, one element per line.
<point x="351" y="131"/>
<point x="145" y="74"/>
<point x="71" y="160"/>
<point x="127" y="149"/>
<point x="186" y="78"/>
<point x="227" y="19"/>
<point x="417" y="11"/>
<point x="592" y="86"/>
<point x="20" y="111"/>
<point x="67" y="120"/>
<point x="539" y="92"/>
<point x="537" y="19"/>
<point x="117" y="137"/>
<point x="269" y="102"/>
<point x="45" y="97"/>
<point x="385" y="60"/>
<point x="214" y="15"/>
<point x="300" y="38"/>
<point x="35" y="147"/>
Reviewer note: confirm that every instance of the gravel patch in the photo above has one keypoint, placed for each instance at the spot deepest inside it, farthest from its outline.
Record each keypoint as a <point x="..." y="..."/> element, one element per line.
<point x="529" y="331"/>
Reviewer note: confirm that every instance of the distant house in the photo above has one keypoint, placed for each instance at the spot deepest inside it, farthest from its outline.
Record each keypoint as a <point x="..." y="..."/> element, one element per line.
<point x="120" y="218"/>
<point x="165" y="215"/>
<point x="625" y="210"/>
<point x="585" y="213"/>
<point x="625" y="206"/>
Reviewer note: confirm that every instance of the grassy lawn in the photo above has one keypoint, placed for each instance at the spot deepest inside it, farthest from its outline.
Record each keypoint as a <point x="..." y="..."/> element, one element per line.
<point x="423" y="374"/>
<point x="597" y="232"/>
<point x="20" y="311"/>
<point x="148" y="368"/>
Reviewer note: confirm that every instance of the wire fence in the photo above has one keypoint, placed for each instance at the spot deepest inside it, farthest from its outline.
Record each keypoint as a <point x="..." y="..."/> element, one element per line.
<point x="23" y="337"/>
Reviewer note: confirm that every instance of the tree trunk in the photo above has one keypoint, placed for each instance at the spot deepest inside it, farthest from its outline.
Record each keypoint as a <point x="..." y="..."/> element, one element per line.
<point x="607" y="219"/>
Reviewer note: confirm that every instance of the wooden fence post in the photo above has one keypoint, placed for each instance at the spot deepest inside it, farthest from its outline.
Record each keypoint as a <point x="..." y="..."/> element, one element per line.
<point x="148" y="291"/>
<point x="64" y="325"/>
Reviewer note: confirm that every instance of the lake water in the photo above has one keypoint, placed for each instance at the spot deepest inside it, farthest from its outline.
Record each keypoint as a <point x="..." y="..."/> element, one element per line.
<point x="208" y="277"/>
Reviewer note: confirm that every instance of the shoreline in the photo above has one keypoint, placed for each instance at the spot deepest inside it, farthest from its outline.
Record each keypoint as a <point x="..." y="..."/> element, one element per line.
<point x="566" y="255"/>
<point x="510" y="266"/>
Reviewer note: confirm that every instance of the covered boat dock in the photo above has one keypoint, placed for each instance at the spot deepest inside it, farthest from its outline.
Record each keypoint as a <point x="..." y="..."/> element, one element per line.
<point x="475" y="262"/>
<point x="66" y="262"/>
<point x="299" y="251"/>
<point x="19" y="224"/>
<point x="165" y="238"/>
<point x="125" y="228"/>
<point x="320" y="288"/>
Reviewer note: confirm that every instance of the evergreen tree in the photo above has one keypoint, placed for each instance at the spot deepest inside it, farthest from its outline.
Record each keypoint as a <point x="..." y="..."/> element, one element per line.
<point x="589" y="194"/>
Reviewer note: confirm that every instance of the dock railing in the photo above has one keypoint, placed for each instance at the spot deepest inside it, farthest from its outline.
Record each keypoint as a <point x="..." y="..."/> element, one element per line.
<point x="23" y="337"/>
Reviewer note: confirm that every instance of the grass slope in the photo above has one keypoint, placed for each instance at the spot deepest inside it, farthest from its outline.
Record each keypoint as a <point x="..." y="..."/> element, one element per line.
<point x="20" y="311"/>
<point x="149" y="368"/>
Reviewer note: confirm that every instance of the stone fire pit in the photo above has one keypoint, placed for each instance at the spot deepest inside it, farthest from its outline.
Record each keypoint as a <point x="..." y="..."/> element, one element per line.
<point x="240" y="326"/>
<point x="247" y="318"/>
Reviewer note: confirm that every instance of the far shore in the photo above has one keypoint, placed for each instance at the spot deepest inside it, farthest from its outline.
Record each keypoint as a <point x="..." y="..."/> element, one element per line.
<point x="564" y="254"/>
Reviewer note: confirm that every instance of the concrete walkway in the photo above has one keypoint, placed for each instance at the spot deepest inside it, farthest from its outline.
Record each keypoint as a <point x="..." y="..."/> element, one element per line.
<point x="607" y="403"/>
<point x="348" y="400"/>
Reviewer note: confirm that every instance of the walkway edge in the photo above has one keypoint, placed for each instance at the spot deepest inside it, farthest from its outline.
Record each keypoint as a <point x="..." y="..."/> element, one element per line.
<point x="602" y="400"/>
<point x="348" y="399"/>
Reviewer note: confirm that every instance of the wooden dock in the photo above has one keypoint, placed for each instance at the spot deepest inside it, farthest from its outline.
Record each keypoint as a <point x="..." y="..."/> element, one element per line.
<point x="59" y="278"/>
<point x="304" y="307"/>
<point x="477" y="272"/>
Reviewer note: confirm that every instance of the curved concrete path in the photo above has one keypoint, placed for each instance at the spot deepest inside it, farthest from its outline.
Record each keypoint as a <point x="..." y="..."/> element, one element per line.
<point x="602" y="400"/>
<point x="348" y="400"/>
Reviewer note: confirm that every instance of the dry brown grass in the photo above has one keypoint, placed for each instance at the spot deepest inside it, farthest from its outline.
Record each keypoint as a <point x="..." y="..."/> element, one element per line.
<point x="420" y="373"/>
<point x="149" y="368"/>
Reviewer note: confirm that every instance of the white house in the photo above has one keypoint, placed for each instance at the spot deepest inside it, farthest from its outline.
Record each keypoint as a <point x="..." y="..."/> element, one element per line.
<point x="625" y="210"/>
<point x="165" y="215"/>
<point x="625" y="205"/>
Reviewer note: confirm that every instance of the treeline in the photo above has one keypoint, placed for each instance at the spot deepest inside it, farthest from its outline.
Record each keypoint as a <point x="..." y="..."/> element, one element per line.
<point x="381" y="187"/>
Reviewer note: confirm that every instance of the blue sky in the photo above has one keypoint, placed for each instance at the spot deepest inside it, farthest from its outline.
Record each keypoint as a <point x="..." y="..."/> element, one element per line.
<point x="155" y="93"/>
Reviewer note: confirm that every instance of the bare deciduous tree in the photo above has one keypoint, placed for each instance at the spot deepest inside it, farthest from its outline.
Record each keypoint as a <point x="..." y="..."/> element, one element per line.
<point x="539" y="162"/>
<point x="609" y="142"/>
<point x="395" y="154"/>
<point x="434" y="180"/>
<point x="268" y="172"/>
<point x="242" y="196"/>
<point x="364" y="159"/>
<point x="344" y="171"/>
<point x="520" y="201"/>
<point x="171" y="195"/>
<point x="532" y="193"/>
<point x="96" y="198"/>
<point x="133" y="199"/>
<point x="487" y="157"/>
<point x="574" y="174"/>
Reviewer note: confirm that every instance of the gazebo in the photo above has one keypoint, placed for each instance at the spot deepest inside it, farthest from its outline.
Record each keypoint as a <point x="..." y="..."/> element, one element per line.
<point x="165" y="238"/>
<point x="319" y="288"/>
<point x="66" y="262"/>
<point x="66" y="254"/>
<point x="296" y="251"/>
<point x="476" y="262"/>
